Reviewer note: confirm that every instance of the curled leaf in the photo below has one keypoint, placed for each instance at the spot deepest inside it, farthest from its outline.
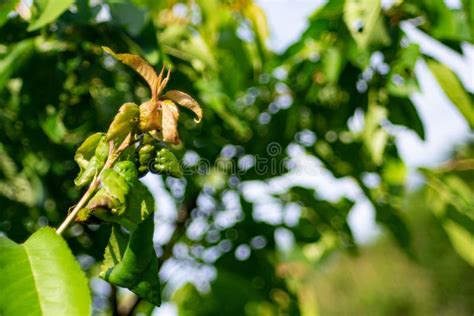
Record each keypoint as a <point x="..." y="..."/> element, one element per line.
<point x="121" y="199"/>
<point x="145" y="154"/>
<point x="170" y="121"/>
<point x="150" y="116"/>
<point x="140" y="66"/>
<point x="131" y="262"/>
<point x="124" y="122"/>
<point x="185" y="100"/>
<point x="90" y="157"/>
<point x="154" y="115"/>
<point x="166" y="162"/>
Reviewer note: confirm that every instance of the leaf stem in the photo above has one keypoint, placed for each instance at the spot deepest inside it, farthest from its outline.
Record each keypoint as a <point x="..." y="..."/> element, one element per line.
<point x="85" y="198"/>
<point x="112" y="157"/>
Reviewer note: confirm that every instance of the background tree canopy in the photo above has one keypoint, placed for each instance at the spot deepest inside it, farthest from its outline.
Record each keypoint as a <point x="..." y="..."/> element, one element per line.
<point x="328" y="104"/>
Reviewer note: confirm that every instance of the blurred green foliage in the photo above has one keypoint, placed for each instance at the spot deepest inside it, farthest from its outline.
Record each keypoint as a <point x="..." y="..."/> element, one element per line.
<point x="57" y="88"/>
<point x="382" y="281"/>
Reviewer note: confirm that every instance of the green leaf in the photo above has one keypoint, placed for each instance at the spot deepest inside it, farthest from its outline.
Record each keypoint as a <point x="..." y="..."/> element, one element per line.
<point x="453" y="204"/>
<point x="461" y="239"/>
<point x="125" y="122"/>
<point x="15" y="58"/>
<point x="53" y="126"/>
<point x="41" y="277"/>
<point x="5" y="8"/>
<point x="50" y="12"/>
<point x="333" y="64"/>
<point x="90" y="157"/>
<point x="402" y="80"/>
<point x="392" y="219"/>
<point x="127" y="15"/>
<point x="374" y="136"/>
<point x="444" y="23"/>
<point x="134" y="266"/>
<point x="167" y="163"/>
<point x="121" y="199"/>
<point x="394" y="172"/>
<point x="256" y="15"/>
<point x="454" y="90"/>
<point x="403" y="112"/>
<point x="362" y="20"/>
<point x="468" y="7"/>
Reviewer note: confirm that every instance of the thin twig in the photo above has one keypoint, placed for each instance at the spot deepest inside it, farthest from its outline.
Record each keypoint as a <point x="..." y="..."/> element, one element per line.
<point x="85" y="198"/>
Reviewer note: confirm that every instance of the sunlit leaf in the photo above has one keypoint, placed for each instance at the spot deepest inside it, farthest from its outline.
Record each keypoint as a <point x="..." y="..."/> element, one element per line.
<point x="150" y="116"/>
<point x="5" y="8"/>
<point x="185" y="100"/>
<point x="461" y="239"/>
<point x="361" y="17"/>
<point x="41" y="277"/>
<point x="170" y="121"/>
<point x="454" y="90"/>
<point x="125" y="122"/>
<point x="18" y="54"/>
<point x="375" y="138"/>
<point x="90" y="157"/>
<point x="51" y="11"/>
<point x="402" y="81"/>
<point x="258" y="19"/>
<point x="140" y="66"/>
<point x="54" y="127"/>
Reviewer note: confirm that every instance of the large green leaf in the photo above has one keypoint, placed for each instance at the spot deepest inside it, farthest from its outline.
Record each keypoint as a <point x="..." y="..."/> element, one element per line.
<point x="454" y="90"/>
<point x="50" y="11"/>
<point x="41" y="277"/>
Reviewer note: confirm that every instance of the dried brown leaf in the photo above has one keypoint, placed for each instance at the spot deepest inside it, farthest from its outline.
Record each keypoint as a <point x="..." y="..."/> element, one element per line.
<point x="185" y="100"/>
<point x="170" y="121"/>
<point x="142" y="67"/>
